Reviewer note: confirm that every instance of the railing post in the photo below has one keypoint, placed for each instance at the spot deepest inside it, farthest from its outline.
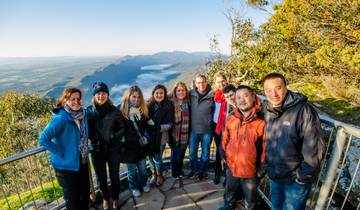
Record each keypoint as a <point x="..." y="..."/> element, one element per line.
<point x="336" y="153"/>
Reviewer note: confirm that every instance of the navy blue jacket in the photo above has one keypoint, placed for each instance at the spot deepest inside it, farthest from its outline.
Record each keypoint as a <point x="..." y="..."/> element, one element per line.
<point x="294" y="138"/>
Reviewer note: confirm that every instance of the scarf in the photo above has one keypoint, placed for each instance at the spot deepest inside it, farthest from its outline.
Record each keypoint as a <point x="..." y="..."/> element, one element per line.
<point x="220" y="98"/>
<point x="83" y="146"/>
<point x="181" y="124"/>
<point x="134" y="110"/>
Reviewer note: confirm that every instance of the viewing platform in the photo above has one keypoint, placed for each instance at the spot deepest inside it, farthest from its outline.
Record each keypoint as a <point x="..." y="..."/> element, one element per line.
<point x="28" y="181"/>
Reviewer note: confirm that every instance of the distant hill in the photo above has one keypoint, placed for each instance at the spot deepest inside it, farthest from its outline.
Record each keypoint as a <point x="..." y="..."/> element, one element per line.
<point x="49" y="76"/>
<point x="130" y="71"/>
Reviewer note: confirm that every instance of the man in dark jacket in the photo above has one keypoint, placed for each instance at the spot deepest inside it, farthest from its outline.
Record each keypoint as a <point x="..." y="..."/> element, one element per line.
<point x="294" y="144"/>
<point x="202" y="108"/>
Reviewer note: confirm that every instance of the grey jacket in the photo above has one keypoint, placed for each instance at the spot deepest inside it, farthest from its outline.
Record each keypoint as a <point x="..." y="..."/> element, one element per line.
<point x="202" y="110"/>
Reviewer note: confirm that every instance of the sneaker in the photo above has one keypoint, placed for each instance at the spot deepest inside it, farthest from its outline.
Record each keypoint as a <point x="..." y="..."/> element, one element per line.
<point x="116" y="204"/>
<point x="106" y="205"/>
<point x="159" y="181"/>
<point x="192" y="174"/>
<point x="153" y="180"/>
<point x="200" y="176"/>
<point x="146" y="188"/>
<point x="136" y="193"/>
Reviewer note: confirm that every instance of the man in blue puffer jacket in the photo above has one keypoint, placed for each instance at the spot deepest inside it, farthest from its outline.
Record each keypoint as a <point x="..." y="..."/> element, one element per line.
<point x="294" y="144"/>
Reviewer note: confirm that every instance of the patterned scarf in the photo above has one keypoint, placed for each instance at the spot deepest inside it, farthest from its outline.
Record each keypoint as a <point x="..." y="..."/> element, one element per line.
<point x="181" y="124"/>
<point x="83" y="146"/>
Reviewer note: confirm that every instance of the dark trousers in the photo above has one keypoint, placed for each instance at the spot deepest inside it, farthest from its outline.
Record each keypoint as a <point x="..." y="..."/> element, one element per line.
<point x="248" y="186"/>
<point x="177" y="158"/>
<point x="217" y="139"/>
<point x="75" y="186"/>
<point x="112" y="159"/>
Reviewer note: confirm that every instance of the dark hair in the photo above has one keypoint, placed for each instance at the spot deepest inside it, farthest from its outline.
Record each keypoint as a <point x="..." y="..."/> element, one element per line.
<point x="241" y="87"/>
<point x="274" y="75"/>
<point x="229" y="88"/>
<point x="158" y="86"/>
<point x="66" y="95"/>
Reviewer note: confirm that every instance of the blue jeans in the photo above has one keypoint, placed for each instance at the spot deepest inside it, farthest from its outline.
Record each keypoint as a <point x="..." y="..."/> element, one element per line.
<point x="289" y="196"/>
<point x="137" y="175"/>
<point x="195" y="139"/>
<point x="156" y="160"/>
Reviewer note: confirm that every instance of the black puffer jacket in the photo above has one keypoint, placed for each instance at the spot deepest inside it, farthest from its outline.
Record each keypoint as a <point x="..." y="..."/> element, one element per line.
<point x="295" y="145"/>
<point x="132" y="151"/>
<point x="106" y="127"/>
<point x="161" y="114"/>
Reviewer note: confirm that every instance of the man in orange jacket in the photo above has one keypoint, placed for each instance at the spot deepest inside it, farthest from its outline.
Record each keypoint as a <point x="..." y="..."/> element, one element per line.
<point x="243" y="147"/>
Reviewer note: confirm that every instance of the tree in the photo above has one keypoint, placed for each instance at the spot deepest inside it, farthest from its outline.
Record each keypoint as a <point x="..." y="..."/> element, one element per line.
<point x="22" y="117"/>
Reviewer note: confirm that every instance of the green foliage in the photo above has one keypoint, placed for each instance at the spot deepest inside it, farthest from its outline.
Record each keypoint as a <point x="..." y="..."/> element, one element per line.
<point x="22" y="114"/>
<point x="49" y="192"/>
<point x="308" y="41"/>
<point x="257" y="2"/>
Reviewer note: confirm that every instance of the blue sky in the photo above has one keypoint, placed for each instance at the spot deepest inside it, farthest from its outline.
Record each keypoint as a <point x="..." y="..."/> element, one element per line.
<point x="31" y="28"/>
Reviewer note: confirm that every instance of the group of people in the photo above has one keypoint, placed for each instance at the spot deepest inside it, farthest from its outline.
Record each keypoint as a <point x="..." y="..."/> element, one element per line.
<point x="280" y="136"/>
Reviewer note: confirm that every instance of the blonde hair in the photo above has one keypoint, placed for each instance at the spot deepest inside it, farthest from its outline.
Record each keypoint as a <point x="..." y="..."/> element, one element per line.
<point x="124" y="107"/>
<point x="66" y="95"/>
<point x="173" y="96"/>
<point x="220" y="74"/>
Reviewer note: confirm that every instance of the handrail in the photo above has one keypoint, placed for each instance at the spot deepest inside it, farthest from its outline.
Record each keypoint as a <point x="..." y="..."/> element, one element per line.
<point x="21" y="155"/>
<point x="350" y="129"/>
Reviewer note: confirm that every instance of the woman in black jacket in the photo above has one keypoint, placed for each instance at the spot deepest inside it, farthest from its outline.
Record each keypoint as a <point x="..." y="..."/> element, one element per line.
<point x="161" y="111"/>
<point x="106" y="128"/>
<point x="136" y="146"/>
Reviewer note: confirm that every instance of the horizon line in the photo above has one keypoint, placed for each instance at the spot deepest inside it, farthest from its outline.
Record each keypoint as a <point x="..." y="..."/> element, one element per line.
<point x="119" y="55"/>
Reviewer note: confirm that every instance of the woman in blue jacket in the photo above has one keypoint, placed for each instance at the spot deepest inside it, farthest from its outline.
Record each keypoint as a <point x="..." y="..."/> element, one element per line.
<point x="66" y="139"/>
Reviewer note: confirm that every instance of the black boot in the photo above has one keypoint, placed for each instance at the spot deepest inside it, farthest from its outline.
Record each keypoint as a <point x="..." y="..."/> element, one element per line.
<point x="217" y="178"/>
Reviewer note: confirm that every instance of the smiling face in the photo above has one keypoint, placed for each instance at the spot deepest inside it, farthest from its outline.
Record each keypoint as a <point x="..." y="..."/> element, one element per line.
<point x="245" y="100"/>
<point x="135" y="98"/>
<point x="159" y="95"/>
<point x="74" y="101"/>
<point x="180" y="93"/>
<point x="230" y="98"/>
<point x="101" y="97"/>
<point x="220" y="82"/>
<point x="201" y="84"/>
<point x="275" y="91"/>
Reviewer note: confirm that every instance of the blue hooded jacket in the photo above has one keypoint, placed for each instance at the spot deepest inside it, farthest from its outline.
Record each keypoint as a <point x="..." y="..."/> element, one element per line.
<point x="62" y="138"/>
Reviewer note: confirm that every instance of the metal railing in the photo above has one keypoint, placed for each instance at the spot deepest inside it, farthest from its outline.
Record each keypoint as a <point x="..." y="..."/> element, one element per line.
<point x="330" y="184"/>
